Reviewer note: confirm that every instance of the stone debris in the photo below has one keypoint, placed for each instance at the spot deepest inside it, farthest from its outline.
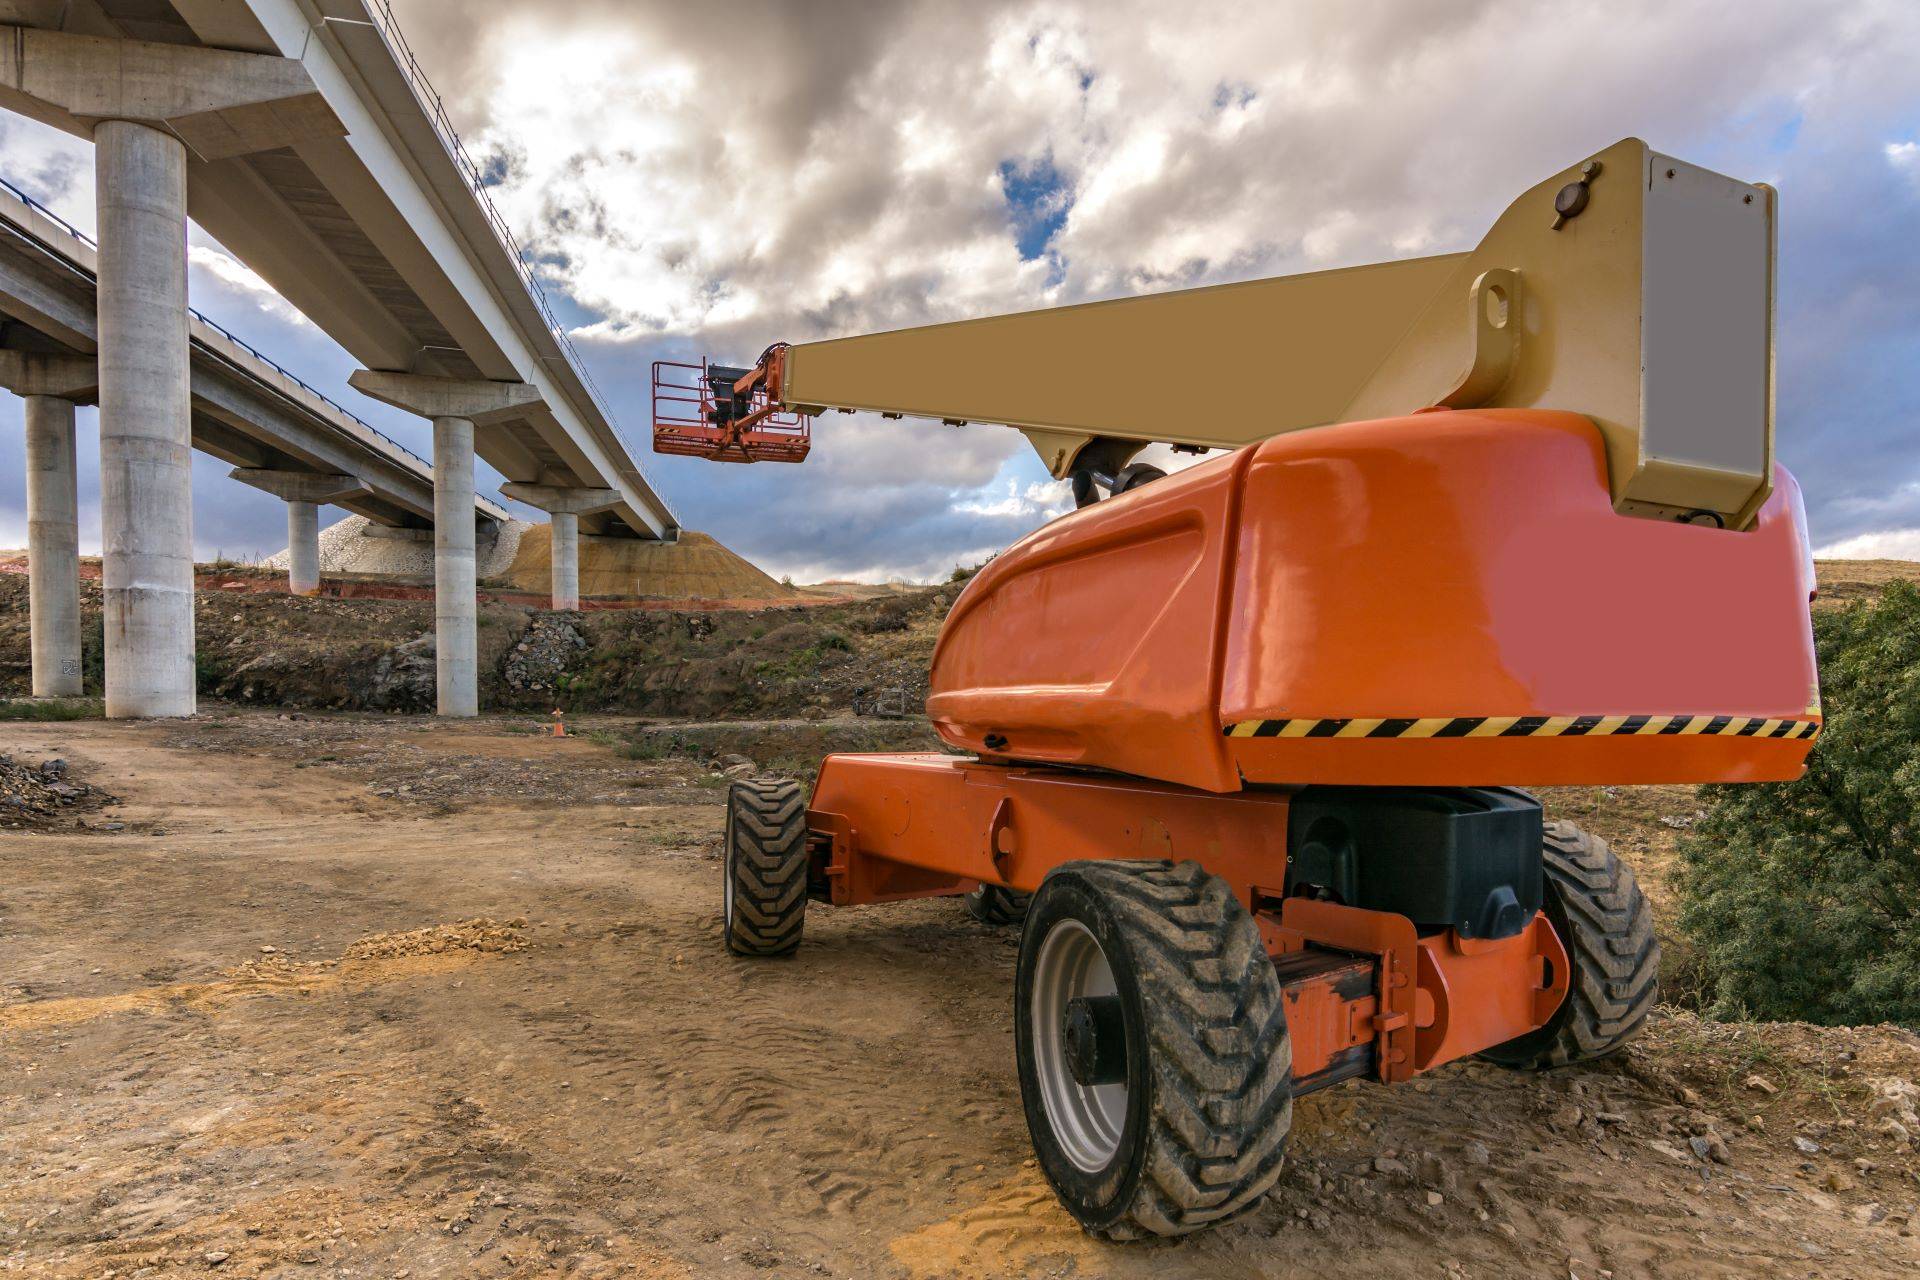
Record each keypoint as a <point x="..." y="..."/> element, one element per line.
<point x="403" y="677"/>
<point x="733" y="766"/>
<point x="1710" y="1147"/>
<point x="1668" y="1150"/>
<point x="539" y="660"/>
<point x="482" y="933"/>
<point x="1895" y="1106"/>
<point x="37" y="795"/>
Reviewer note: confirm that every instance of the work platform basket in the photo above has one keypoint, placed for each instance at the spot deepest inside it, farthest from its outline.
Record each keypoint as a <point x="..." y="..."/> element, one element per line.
<point x="698" y="414"/>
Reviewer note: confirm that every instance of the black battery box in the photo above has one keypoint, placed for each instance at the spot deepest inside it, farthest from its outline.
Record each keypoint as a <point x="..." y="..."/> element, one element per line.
<point x="1465" y="857"/>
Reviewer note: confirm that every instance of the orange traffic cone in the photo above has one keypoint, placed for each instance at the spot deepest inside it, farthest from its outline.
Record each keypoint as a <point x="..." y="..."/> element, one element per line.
<point x="559" y="725"/>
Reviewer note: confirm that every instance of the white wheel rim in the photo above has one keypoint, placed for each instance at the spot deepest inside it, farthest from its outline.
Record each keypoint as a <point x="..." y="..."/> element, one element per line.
<point x="1087" y="1120"/>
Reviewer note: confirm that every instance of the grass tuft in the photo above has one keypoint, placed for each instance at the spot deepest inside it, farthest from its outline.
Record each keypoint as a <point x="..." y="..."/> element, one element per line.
<point x="52" y="709"/>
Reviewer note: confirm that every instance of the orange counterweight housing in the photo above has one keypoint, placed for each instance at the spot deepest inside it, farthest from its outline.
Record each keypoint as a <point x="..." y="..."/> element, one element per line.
<point x="1442" y="599"/>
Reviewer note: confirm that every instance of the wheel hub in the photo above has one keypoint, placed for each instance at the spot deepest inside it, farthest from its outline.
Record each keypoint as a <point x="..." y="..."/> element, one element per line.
<point x="1095" y="1038"/>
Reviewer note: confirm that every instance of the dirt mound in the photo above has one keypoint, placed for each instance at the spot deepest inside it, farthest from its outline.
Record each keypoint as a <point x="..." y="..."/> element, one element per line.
<point x="478" y="934"/>
<point x="697" y="567"/>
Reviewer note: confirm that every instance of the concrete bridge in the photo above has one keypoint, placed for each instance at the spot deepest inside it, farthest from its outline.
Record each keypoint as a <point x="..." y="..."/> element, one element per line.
<point x="302" y="136"/>
<point x="280" y="434"/>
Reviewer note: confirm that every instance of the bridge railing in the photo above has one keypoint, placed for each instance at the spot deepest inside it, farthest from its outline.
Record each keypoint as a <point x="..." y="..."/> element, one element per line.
<point x="430" y="102"/>
<point x="87" y="240"/>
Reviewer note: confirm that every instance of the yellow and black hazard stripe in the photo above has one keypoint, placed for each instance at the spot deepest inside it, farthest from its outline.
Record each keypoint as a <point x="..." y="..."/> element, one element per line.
<point x="1527" y="727"/>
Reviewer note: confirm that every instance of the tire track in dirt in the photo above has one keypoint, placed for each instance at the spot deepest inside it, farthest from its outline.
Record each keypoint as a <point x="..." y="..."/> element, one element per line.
<point x="791" y="1108"/>
<point x="1017" y="1227"/>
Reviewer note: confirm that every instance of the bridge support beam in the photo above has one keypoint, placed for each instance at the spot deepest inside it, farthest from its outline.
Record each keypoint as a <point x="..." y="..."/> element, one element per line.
<point x="455" y="407"/>
<point x="564" y="507"/>
<point x="51" y="385"/>
<point x="303" y="492"/>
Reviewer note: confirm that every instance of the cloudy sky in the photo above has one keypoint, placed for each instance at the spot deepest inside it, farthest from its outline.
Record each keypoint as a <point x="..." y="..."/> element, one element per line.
<point x="709" y="178"/>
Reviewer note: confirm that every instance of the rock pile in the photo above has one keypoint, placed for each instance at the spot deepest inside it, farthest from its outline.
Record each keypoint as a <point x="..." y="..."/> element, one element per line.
<point x="38" y="795"/>
<point x="1894" y="1109"/>
<point x="541" y="657"/>
<point x="403" y="677"/>
<point x="481" y="933"/>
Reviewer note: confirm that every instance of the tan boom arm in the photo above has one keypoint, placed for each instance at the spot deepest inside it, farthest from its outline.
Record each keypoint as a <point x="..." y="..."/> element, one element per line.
<point x="1631" y="287"/>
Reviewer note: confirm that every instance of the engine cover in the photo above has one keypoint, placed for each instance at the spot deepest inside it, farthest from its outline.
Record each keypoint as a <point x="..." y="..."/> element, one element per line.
<point x="1444" y="599"/>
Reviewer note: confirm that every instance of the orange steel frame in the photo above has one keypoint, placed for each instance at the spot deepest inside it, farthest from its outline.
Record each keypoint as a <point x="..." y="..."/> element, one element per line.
<point x="1366" y="991"/>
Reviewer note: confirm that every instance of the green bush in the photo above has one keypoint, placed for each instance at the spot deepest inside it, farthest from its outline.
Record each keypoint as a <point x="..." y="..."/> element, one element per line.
<point x="1802" y="899"/>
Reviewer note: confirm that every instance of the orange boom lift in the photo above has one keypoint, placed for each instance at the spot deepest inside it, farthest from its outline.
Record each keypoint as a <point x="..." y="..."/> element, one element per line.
<point x="1242" y="744"/>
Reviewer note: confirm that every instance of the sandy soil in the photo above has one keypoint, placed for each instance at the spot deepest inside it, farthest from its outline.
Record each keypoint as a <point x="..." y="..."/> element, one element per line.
<point x="382" y="997"/>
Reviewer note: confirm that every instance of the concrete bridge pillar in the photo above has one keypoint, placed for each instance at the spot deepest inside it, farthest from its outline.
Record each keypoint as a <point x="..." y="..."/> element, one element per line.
<point x="53" y="548"/>
<point x="564" y="552"/>
<point x="146" y="446"/>
<point x="455" y="406"/>
<point x="564" y="507"/>
<point x="147" y="104"/>
<point x="456" y="608"/>
<point x="50" y="385"/>
<point x="304" y="492"/>
<point x="303" y="547"/>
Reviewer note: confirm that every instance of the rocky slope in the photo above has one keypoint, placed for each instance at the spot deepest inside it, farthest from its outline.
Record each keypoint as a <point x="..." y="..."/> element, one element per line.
<point x="258" y="646"/>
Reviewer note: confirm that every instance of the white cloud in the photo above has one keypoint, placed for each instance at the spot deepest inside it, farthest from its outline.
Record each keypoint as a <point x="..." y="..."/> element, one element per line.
<point x="53" y="168"/>
<point x="241" y="280"/>
<point x="1889" y="544"/>
<point x="1905" y="158"/>
<point x="1038" y="501"/>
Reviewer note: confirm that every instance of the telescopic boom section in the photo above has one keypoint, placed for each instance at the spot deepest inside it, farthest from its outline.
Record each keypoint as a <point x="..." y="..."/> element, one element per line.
<point x="1632" y="288"/>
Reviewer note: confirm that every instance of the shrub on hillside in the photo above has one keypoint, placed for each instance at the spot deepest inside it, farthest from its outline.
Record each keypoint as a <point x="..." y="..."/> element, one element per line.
<point x="1802" y="899"/>
<point x="892" y="615"/>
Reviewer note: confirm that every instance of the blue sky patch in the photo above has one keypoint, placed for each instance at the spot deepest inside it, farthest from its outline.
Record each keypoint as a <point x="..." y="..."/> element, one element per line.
<point x="1038" y="199"/>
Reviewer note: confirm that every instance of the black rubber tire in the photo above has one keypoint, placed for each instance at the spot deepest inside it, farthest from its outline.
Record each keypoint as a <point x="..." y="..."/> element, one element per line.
<point x="992" y="905"/>
<point x="764" y="891"/>
<point x="1209" y="1065"/>
<point x="1605" y="924"/>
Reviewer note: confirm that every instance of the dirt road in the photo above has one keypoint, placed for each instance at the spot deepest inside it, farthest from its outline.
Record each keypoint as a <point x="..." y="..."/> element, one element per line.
<point x="380" y="997"/>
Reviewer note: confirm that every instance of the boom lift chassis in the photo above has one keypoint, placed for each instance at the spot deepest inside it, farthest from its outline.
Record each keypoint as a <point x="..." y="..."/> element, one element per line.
<point x="1228" y="736"/>
<point x="1367" y="994"/>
